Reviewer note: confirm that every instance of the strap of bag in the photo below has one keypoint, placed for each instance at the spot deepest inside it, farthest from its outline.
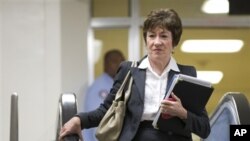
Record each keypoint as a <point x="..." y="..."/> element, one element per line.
<point x="128" y="91"/>
<point x="127" y="77"/>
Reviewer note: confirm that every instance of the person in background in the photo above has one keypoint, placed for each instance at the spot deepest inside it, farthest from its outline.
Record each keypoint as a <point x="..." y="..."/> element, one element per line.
<point x="162" y="31"/>
<point x="99" y="89"/>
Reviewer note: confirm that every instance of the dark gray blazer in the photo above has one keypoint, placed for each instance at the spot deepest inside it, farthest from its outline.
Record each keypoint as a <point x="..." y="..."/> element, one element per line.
<point x="196" y="124"/>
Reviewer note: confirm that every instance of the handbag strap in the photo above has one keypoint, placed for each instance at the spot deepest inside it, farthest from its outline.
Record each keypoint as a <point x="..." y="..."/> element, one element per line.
<point x="128" y="90"/>
<point x="120" y="93"/>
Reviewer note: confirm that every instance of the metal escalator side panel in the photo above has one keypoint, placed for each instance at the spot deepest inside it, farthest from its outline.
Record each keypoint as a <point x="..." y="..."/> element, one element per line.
<point x="226" y="102"/>
<point x="221" y="124"/>
<point x="233" y="108"/>
<point x="237" y="103"/>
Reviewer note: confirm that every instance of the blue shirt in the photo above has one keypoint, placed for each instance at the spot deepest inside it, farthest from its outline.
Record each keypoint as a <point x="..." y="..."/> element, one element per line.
<point x="95" y="95"/>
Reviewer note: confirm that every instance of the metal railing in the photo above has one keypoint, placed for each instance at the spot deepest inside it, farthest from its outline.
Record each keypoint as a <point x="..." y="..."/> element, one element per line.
<point x="14" y="117"/>
<point x="67" y="108"/>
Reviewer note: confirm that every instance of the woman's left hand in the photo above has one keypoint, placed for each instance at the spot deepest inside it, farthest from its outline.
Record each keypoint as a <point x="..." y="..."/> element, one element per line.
<point x="73" y="126"/>
<point x="174" y="107"/>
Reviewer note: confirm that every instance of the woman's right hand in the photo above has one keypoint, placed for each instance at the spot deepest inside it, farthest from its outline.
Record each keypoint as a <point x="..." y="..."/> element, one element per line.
<point x="73" y="126"/>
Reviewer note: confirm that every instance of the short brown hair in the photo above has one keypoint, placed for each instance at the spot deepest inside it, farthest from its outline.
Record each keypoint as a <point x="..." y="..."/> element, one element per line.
<point x="166" y="19"/>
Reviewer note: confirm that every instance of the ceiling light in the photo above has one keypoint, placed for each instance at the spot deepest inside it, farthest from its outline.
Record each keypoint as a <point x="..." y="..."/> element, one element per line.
<point x="212" y="46"/>
<point x="215" y="7"/>
<point x="212" y="76"/>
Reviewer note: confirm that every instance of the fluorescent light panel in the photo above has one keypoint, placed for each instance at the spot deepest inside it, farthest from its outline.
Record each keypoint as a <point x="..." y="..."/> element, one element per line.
<point x="215" y="7"/>
<point x="212" y="46"/>
<point x="212" y="76"/>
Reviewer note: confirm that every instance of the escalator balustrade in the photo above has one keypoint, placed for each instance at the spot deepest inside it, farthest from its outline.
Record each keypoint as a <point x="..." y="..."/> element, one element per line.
<point x="67" y="108"/>
<point x="233" y="109"/>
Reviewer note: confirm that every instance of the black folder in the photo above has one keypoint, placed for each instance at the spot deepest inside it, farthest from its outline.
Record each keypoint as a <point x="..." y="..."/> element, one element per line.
<point x="194" y="94"/>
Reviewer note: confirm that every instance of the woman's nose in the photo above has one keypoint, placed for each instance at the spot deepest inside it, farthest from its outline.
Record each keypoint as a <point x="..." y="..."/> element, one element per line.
<point x="157" y="41"/>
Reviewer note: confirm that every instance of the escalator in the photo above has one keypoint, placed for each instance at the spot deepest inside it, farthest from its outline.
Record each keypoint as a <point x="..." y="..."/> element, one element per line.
<point x="67" y="108"/>
<point x="233" y="109"/>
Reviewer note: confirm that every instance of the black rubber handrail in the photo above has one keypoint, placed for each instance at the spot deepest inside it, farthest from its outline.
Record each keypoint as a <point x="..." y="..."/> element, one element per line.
<point x="67" y="108"/>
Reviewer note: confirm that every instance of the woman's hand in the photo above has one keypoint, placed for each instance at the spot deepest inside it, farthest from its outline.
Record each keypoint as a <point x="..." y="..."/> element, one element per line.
<point x="173" y="107"/>
<point x="73" y="126"/>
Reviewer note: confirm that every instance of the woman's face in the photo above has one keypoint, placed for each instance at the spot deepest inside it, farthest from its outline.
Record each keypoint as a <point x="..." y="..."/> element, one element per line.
<point x="159" y="44"/>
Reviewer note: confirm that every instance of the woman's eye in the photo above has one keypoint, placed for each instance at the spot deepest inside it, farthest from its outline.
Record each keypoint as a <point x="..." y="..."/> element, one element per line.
<point x="164" y="36"/>
<point x="151" y="35"/>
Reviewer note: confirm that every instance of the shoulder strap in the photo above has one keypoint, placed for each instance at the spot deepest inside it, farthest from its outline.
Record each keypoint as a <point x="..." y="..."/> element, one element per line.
<point x="134" y="64"/>
<point x="127" y="81"/>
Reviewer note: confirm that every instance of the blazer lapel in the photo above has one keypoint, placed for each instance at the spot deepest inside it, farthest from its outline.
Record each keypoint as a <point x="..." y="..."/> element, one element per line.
<point x="139" y="76"/>
<point x="170" y="79"/>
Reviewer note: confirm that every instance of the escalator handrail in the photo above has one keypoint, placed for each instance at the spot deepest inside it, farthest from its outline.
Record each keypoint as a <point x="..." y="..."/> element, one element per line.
<point x="240" y="104"/>
<point x="67" y="108"/>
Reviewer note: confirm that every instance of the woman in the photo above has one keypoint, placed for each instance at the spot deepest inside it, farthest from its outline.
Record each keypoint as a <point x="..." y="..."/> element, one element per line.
<point x="161" y="31"/>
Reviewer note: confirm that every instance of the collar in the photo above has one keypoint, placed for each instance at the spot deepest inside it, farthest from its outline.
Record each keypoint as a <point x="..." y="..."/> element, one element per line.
<point x="171" y="66"/>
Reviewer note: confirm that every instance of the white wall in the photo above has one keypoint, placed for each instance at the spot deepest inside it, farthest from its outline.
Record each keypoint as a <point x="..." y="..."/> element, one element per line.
<point x="1" y="78"/>
<point x="74" y="27"/>
<point x="42" y="54"/>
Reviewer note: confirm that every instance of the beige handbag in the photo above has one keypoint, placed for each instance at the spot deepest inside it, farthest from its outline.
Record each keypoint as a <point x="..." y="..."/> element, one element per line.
<point x="111" y="124"/>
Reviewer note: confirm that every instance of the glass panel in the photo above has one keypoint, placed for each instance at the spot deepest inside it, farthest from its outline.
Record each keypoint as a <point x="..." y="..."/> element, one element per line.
<point x="110" y="8"/>
<point x="107" y="39"/>
<point x="181" y="6"/>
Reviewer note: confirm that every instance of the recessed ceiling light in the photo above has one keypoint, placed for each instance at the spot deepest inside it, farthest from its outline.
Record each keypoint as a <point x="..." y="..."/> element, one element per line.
<point x="212" y="46"/>
<point x="215" y="7"/>
<point x="212" y="76"/>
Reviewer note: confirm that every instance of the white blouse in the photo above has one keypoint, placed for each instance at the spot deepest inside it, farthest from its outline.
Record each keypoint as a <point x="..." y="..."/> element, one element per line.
<point x="155" y="87"/>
